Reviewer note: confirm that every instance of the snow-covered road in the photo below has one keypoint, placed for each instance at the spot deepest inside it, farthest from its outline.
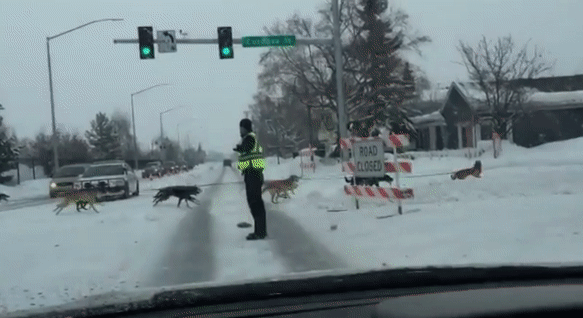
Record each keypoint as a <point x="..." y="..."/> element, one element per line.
<point x="527" y="208"/>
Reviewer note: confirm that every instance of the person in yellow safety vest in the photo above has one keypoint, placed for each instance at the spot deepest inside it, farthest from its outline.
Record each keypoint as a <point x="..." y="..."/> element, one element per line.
<point x="251" y="164"/>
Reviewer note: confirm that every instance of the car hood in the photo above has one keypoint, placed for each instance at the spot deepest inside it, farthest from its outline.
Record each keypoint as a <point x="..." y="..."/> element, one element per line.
<point x="293" y="284"/>
<point x="64" y="179"/>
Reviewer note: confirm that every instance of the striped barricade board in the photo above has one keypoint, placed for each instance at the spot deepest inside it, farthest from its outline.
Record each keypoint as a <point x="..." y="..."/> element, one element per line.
<point x="405" y="167"/>
<point x="378" y="192"/>
<point x="397" y="167"/>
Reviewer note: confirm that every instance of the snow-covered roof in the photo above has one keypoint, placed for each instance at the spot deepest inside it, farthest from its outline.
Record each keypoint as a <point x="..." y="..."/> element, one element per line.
<point x="556" y="100"/>
<point x="472" y="93"/>
<point x="433" y="118"/>
<point x="437" y="94"/>
<point x="537" y="100"/>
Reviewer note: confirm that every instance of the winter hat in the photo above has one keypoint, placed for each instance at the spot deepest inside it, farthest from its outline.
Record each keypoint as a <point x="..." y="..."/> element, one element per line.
<point x="246" y="123"/>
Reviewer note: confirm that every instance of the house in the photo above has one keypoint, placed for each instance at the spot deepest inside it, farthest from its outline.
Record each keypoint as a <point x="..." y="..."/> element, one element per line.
<point x="553" y="110"/>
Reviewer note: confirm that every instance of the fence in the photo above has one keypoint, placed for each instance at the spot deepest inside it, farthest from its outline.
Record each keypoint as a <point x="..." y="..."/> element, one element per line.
<point x="22" y="170"/>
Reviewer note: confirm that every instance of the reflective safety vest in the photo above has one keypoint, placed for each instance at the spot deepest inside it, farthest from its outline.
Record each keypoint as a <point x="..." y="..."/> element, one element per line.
<point x="252" y="159"/>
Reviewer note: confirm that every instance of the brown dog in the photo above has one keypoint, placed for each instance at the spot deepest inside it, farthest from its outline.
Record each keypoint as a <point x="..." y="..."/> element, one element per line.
<point x="279" y="188"/>
<point x="475" y="171"/>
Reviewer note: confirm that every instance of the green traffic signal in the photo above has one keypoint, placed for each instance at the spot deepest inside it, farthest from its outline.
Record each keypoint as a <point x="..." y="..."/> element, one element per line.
<point x="146" y="42"/>
<point x="225" y="42"/>
<point x="226" y="51"/>
<point x="146" y="51"/>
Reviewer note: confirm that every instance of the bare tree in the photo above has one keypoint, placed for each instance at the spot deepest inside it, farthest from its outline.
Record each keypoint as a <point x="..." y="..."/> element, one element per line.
<point x="496" y="68"/>
<point x="308" y="72"/>
<point x="122" y="122"/>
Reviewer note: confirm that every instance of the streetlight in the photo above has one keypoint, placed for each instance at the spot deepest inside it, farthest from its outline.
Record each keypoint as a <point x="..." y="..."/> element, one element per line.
<point x="56" y="155"/>
<point x="162" y="129"/>
<point x="178" y="125"/>
<point x="134" y="123"/>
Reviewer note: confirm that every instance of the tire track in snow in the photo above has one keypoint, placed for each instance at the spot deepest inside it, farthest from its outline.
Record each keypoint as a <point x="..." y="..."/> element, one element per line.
<point x="25" y="203"/>
<point x="298" y="251"/>
<point x="190" y="257"/>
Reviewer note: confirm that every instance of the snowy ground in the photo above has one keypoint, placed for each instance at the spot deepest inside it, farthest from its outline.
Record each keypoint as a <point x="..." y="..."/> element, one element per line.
<point x="27" y="189"/>
<point x="527" y="208"/>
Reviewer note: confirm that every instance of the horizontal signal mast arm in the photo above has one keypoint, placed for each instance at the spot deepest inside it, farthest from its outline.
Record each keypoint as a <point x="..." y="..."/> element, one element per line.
<point x="235" y="41"/>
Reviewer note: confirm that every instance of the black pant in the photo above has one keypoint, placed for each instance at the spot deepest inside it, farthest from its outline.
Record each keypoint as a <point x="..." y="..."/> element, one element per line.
<point x="253" y="182"/>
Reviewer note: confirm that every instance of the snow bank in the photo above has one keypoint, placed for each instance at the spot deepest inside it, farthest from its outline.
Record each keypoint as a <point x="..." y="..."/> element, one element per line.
<point x="28" y="189"/>
<point x="526" y="205"/>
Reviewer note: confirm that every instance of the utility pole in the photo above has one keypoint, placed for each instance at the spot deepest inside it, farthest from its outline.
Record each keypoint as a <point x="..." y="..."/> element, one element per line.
<point x="161" y="139"/>
<point x="342" y="118"/>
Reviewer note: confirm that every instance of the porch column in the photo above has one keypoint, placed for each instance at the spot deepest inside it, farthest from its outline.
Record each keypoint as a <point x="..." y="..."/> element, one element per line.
<point x="432" y="138"/>
<point x="460" y="137"/>
<point x="478" y="132"/>
<point x="509" y="128"/>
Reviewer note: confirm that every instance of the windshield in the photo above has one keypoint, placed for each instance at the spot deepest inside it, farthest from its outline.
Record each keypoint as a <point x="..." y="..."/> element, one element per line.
<point x="109" y="170"/>
<point x="66" y="172"/>
<point x="399" y="133"/>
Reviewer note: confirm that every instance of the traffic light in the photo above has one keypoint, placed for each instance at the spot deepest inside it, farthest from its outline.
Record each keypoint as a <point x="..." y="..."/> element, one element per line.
<point x="225" y="42"/>
<point x="146" y="40"/>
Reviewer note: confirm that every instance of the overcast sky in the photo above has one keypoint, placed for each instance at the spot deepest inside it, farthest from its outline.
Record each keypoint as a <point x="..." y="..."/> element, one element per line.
<point x="91" y="74"/>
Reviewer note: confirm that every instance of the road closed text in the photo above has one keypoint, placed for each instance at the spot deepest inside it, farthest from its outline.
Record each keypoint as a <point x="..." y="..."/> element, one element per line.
<point x="368" y="158"/>
<point x="370" y="166"/>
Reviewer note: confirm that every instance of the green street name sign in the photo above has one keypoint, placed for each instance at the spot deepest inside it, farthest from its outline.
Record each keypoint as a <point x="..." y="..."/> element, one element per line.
<point x="274" y="40"/>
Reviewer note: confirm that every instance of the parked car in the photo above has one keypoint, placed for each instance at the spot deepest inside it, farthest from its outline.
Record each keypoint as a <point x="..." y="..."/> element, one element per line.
<point x="182" y="166"/>
<point x="109" y="161"/>
<point x="227" y="162"/>
<point x="152" y="169"/>
<point x="65" y="177"/>
<point x="168" y="167"/>
<point x="111" y="179"/>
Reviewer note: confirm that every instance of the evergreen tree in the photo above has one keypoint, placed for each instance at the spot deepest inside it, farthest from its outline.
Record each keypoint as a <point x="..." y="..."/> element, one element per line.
<point x="104" y="138"/>
<point x="389" y="79"/>
<point x="8" y="150"/>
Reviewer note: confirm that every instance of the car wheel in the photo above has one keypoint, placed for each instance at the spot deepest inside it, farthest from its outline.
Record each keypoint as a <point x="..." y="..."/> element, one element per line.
<point x="126" y="192"/>
<point x="137" y="193"/>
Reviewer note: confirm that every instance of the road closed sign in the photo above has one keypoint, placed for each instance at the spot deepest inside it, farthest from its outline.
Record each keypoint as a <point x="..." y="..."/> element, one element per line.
<point x="369" y="158"/>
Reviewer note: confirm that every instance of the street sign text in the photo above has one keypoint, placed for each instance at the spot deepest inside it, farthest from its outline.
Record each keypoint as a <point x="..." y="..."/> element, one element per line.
<point x="274" y="40"/>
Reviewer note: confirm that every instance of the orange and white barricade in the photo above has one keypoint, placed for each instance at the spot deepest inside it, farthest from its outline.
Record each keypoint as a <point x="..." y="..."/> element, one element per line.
<point x="397" y="167"/>
<point x="307" y="160"/>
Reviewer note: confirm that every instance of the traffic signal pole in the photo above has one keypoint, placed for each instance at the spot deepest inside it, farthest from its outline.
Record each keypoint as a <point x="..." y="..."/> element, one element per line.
<point x="216" y="41"/>
<point x="335" y="42"/>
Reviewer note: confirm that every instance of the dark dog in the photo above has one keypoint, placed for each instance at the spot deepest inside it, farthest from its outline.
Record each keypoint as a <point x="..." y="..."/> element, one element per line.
<point x="4" y="197"/>
<point x="475" y="171"/>
<point x="368" y="181"/>
<point x="185" y="193"/>
<point x="81" y="205"/>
